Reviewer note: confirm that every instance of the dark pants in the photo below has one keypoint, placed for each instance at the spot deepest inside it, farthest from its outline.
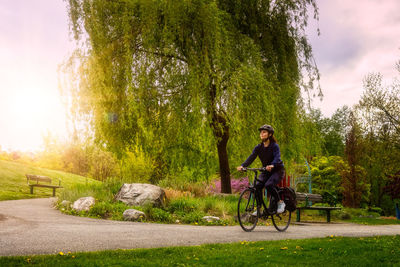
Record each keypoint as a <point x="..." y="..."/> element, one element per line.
<point x="269" y="180"/>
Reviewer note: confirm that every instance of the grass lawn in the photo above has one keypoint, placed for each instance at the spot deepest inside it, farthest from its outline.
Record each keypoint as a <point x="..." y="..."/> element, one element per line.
<point x="330" y="251"/>
<point x="14" y="186"/>
<point x="320" y="216"/>
<point x="374" y="221"/>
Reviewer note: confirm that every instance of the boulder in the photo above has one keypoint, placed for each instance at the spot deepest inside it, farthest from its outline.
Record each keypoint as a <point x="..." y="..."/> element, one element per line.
<point x="133" y="215"/>
<point x="211" y="218"/>
<point x="141" y="194"/>
<point x="84" y="203"/>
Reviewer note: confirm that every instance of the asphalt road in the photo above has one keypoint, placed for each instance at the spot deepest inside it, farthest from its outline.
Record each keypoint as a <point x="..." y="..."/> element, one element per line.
<point x="32" y="226"/>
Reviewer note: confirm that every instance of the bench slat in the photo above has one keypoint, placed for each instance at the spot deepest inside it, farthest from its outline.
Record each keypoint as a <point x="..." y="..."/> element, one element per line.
<point x="38" y="178"/>
<point x="45" y="185"/>
<point x="310" y="197"/>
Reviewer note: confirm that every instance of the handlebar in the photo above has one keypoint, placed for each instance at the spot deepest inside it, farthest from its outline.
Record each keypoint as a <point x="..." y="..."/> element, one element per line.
<point x="263" y="169"/>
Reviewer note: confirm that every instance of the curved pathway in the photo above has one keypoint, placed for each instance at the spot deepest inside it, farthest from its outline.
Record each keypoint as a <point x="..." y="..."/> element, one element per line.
<point x="32" y="226"/>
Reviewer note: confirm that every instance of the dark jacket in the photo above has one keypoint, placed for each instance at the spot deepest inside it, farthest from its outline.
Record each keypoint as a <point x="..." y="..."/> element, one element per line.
<point x="270" y="155"/>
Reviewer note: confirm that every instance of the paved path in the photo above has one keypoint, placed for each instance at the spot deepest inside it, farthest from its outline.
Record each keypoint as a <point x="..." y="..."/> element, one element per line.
<point x="32" y="226"/>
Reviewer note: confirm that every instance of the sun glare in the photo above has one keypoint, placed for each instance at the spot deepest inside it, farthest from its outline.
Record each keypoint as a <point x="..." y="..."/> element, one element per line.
<point x="34" y="109"/>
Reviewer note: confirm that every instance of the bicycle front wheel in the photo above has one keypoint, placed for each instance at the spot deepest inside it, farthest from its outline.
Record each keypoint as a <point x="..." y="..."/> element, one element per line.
<point x="281" y="221"/>
<point x="246" y="208"/>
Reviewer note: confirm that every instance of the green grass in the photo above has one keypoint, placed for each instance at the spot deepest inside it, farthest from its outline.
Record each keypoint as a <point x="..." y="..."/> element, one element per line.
<point x="330" y="251"/>
<point x="373" y="221"/>
<point x="14" y="186"/>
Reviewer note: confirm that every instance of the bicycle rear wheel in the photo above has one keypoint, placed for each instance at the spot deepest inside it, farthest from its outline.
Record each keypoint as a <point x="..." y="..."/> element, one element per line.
<point x="246" y="207"/>
<point x="281" y="221"/>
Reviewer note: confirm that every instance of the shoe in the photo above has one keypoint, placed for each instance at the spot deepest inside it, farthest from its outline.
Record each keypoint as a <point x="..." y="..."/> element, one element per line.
<point x="281" y="207"/>
<point x="255" y="212"/>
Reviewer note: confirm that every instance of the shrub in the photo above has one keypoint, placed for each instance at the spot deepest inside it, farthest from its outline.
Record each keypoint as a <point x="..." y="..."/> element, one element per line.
<point x="197" y="189"/>
<point x="108" y="210"/>
<point x="193" y="217"/>
<point x="345" y="216"/>
<point x="101" y="210"/>
<point x="184" y="204"/>
<point x="208" y="205"/>
<point x="172" y="193"/>
<point x="237" y="185"/>
<point x="157" y="214"/>
<point x="376" y="210"/>
<point x="137" y="167"/>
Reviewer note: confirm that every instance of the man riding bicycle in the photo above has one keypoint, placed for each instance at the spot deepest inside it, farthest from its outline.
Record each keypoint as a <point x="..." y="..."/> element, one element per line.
<point x="269" y="153"/>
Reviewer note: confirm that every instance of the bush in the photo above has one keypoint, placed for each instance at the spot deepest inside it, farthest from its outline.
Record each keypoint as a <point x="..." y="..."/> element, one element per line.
<point x="345" y="216"/>
<point x="157" y="214"/>
<point x="137" y="167"/>
<point x="172" y="193"/>
<point x="101" y="210"/>
<point x="197" y="189"/>
<point x="237" y="185"/>
<point x="108" y="210"/>
<point x="376" y="210"/>
<point x="208" y="205"/>
<point x="192" y="217"/>
<point x="182" y="204"/>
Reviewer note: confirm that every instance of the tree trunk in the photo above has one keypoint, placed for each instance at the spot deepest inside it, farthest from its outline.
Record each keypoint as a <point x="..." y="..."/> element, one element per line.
<point x="224" y="165"/>
<point x="221" y="133"/>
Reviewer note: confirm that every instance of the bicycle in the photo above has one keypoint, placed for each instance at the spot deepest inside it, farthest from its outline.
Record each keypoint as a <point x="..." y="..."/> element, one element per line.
<point x="247" y="205"/>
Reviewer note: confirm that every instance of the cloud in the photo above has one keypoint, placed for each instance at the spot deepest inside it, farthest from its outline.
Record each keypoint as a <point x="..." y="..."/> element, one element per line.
<point x="356" y="39"/>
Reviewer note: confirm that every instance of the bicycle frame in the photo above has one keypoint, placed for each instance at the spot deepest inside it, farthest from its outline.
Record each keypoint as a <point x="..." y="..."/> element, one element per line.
<point x="252" y="186"/>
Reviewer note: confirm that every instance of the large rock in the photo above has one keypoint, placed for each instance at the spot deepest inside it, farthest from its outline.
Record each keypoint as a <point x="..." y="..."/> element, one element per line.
<point x="84" y="203"/>
<point x="133" y="215"/>
<point x="141" y="194"/>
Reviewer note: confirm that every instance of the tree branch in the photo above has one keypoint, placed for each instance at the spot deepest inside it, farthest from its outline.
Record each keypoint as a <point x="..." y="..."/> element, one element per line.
<point x="162" y="54"/>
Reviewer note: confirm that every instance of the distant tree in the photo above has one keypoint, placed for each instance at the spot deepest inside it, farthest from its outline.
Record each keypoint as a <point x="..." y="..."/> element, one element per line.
<point x="383" y="103"/>
<point x="379" y="108"/>
<point x="76" y="159"/>
<point x="103" y="164"/>
<point x="334" y="131"/>
<point x="392" y="187"/>
<point x="312" y="141"/>
<point x="180" y="78"/>
<point x="354" y="183"/>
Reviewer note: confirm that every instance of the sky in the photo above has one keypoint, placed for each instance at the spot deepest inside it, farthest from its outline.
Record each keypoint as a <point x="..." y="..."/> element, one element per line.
<point x="357" y="38"/>
<point x="34" y="41"/>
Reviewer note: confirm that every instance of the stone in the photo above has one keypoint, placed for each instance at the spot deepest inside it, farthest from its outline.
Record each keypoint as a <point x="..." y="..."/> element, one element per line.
<point x="83" y="204"/>
<point x="141" y="194"/>
<point x="211" y="218"/>
<point x="133" y="215"/>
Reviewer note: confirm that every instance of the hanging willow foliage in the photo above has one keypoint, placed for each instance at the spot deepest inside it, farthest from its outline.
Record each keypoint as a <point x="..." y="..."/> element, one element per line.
<point x="179" y="78"/>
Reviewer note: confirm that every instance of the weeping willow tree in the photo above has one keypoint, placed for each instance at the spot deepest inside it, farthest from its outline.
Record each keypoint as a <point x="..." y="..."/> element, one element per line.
<point x="181" y="78"/>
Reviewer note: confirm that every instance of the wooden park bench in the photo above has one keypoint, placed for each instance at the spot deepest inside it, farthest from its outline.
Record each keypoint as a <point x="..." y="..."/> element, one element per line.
<point x="44" y="182"/>
<point x="313" y="198"/>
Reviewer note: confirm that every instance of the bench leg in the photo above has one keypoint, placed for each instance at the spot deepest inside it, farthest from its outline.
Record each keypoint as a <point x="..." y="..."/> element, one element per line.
<point x="54" y="192"/>
<point x="31" y="189"/>
<point x="298" y="215"/>
<point x="328" y="216"/>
